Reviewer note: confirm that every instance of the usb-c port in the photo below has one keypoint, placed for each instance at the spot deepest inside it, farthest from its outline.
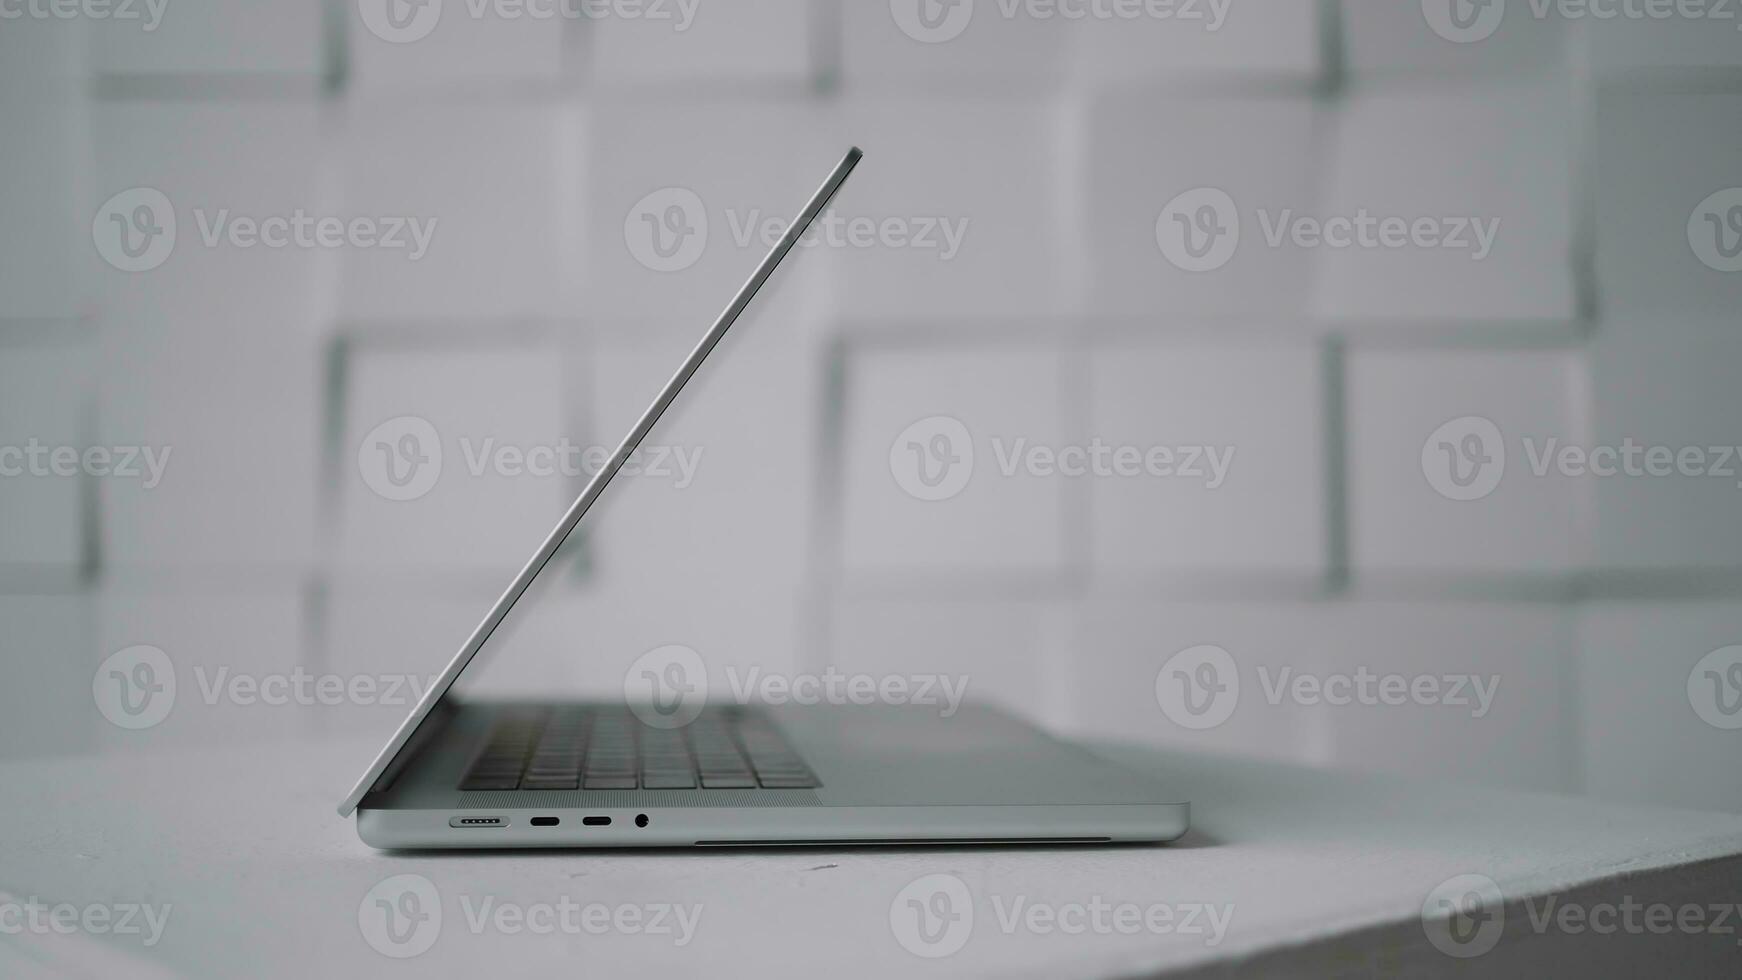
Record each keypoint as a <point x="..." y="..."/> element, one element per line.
<point x="545" y="821"/>
<point x="596" y="821"/>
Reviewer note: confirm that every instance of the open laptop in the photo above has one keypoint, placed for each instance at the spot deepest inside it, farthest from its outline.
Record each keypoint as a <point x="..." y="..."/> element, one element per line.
<point x="474" y="773"/>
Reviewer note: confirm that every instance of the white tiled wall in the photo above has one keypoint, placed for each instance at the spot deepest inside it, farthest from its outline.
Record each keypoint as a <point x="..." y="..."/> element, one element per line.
<point x="1069" y="157"/>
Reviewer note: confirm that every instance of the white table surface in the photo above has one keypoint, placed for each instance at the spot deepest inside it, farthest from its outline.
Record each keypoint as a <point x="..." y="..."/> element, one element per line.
<point x="1321" y="871"/>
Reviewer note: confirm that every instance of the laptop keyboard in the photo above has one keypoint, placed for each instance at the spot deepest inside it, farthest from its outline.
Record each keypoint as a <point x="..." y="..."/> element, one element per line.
<point x="575" y="747"/>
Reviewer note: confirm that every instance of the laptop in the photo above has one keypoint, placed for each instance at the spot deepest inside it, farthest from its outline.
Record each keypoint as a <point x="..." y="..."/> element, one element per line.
<point x="471" y="772"/>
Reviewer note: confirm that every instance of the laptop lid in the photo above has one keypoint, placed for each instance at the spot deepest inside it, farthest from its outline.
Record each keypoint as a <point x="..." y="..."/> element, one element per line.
<point x="596" y="486"/>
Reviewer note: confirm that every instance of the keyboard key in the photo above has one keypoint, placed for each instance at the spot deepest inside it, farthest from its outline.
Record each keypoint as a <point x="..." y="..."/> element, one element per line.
<point x="569" y="748"/>
<point x="532" y="782"/>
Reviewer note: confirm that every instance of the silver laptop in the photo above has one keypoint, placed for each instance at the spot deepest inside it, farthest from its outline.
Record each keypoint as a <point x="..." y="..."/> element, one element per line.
<point x="474" y="773"/>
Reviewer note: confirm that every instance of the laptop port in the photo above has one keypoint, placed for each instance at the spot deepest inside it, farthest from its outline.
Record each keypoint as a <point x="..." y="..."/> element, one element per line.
<point x="478" y="822"/>
<point x="596" y="821"/>
<point x="545" y="821"/>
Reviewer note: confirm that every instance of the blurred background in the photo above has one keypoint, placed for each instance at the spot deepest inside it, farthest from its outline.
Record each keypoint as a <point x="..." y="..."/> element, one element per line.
<point x="1167" y="368"/>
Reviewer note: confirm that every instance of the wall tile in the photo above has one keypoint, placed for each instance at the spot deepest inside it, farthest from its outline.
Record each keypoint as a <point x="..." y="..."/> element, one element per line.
<point x="232" y="415"/>
<point x="45" y="677"/>
<point x="46" y="401"/>
<point x="1451" y="38"/>
<point x="1133" y="655"/>
<point x="1672" y="395"/>
<point x="962" y="413"/>
<point x="1212" y="164"/>
<point x="1666" y="165"/>
<point x="997" y="651"/>
<point x="741" y="42"/>
<point x="486" y="181"/>
<point x="233" y="664"/>
<point x="685" y="199"/>
<point x="727" y="473"/>
<point x="1498" y="155"/>
<point x="1519" y="654"/>
<point x="1260" y="409"/>
<point x="219" y="37"/>
<point x="1409" y="515"/>
<point x="220" y="167"/>
<point x="48" y="242"/>
<point x="976" y="230"/>
<point x="456" y="47"/>
<point x="1645" y="679"/>
<point x="484" y="422"/>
